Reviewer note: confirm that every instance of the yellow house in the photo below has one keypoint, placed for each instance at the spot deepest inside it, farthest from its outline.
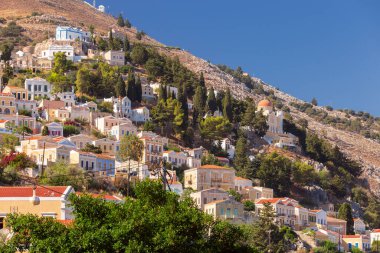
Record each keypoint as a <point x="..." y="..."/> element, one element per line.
<point x="7" y="103"/>
<point x="50" y="201"/>
<point x="254" y="193"/>
<point x="210" y="176"/>
<point x="17" y="92"/>
<point x="361" y="242"/>
<point x="226" y="209"/>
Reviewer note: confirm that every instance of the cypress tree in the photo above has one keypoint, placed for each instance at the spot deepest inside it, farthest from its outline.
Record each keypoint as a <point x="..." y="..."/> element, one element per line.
<point x="345" y="213"/>
<point x="45" y="131"/>
<point x="127" y="23"/>
<point x="120" y="89"/>
<point x="110" y="41"/>
<point x="241" y="160"/>
<point x="249" y="115"/>
<point x="211" y="100"/>
<point x="138" y="89"/>
<point x="199" y="103"/>
<point x="131" y="86"/>
<point x="162" y="93"/>
<point x="202" y="82"/>
<point x="126" y="45"/>
<point x="120" y="21"/>
<point x="227" y="105"/>
<point x="182" y="98"/>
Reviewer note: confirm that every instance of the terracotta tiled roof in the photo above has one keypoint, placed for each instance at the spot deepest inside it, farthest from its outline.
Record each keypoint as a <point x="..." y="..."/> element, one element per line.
<point x="15" y="88"/>
<point x="66" y="222"/>
<point x="3" y="120"/>
<point x="351" y="236"/>
<point x="315" y="211"/>
<point x="27" y="191"/>
<point x="241" y="178"/>
<point x="49" y="104"/>
<point x="214" y="167"/>
<point x="272" y="201"/>
<point x="377" y="230"/>
<point x="331" y="219"/>
<point x="6" y="94"/>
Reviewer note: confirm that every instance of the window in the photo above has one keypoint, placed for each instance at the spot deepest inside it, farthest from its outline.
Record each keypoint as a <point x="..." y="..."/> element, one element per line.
<point x="236" y="213"/>
<point x="228" y="213"/>
<point x="221" y="211"/>
<point x="204" y="200"/>
<point x="1" y="222"/>
<point x="48" y="215"/>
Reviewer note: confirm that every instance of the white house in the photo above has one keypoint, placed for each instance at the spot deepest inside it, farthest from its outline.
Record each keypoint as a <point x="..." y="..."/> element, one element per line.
<point x="66" y="33"/>
<point x="123" y="129"/>
<point x="140" y="114"/>
<point x="53" y="49"/>
<point x="359" y="226"/>
<point x="241" y="183"/>
<point x="29" y="105"/>
<point x="114" y="58"/>
<point x="147" y="92"/>
<point x="121" y="106"/>
<point x="37" y="87"/>
<point x="105" y="124"/>
<point x="67" y="97"/>
<point x="375" y="236"/>
<point x="226" y="145"/>
<point x="175" y="158"/>
<point x="55" y="129"/>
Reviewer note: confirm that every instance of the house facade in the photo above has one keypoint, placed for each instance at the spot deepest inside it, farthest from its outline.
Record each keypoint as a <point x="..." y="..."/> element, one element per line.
<point x="140" y="114"/>
<point x="50" y="52"/>
<point x="55" y="129"/>
<point x="49" y="201"/>
<point x="7" y="103"/>
<point x="37" y="87"/>
<point x="114" y="58"/>
<point x="229" y="209"/>
<point x="66" y="33"/>
<point x="201" y="198"/>
<point x="210" y="176"/>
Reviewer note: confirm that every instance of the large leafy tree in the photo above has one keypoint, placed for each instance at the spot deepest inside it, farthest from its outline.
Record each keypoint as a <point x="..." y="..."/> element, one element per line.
<point x="275" y="172"/>
<point x="345" y="213"/>
<point x="139" y="55"/>
<point x="215" y="128"/>
<point x="155" y="221"/>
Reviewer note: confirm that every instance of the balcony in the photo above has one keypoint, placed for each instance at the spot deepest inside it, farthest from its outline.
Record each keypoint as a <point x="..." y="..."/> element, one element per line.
<point x="216" y="180"/>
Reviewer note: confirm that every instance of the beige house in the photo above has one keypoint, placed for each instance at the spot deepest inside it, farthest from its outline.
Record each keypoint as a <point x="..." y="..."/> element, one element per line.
<point x="359" y="226"/>
<point x="51" y="201"/>
<point x="228" y="209"/>
<point x="283" y="207"/>
<point x="114" y="58"/>
<point x="201" y="198"/>
<point x="7" y="103"/>
<point x="153" y="146"/>
<point x="337" y="225"/>
<point x="123" y="129"/>
<point x="17" y="92"/>
<point x="375" y="235"/>
<point x="21" y="120"/>
<point x="361" y="242"/>
<point x="108" y="146"/>
<point x="210" y="176"/>
<point x="105" y="124"/>
<point x="81" y="140"/>
<point x="175" y="158"/>
<point x="302" y="217"/>
<point x="242" y="183"/>
<point x="256" y="192"/>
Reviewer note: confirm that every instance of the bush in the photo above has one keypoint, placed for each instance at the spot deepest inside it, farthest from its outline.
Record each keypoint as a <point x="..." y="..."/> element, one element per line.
<point x="69" y="130"/>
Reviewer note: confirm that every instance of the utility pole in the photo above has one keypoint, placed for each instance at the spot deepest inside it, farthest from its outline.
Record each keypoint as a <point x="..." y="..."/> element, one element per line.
<point x="43" y="160"/>
<point x="164" y="176"/>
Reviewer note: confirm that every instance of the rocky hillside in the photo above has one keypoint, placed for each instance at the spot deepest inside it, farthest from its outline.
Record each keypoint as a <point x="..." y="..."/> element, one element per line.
<point x="40" y="17"/>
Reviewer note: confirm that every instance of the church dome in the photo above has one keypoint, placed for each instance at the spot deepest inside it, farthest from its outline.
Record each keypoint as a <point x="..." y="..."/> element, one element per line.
<point x="265" y="103"/>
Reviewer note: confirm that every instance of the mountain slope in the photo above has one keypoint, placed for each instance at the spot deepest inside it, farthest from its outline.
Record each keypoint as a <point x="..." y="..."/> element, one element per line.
<point x="77" y="13"/>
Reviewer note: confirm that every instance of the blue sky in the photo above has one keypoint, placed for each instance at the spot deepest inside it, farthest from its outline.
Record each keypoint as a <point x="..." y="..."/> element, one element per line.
<point x="324" y="49"/>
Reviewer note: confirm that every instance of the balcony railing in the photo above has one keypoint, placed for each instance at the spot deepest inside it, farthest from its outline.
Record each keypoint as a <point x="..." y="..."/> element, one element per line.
<point x="217" y="180"/>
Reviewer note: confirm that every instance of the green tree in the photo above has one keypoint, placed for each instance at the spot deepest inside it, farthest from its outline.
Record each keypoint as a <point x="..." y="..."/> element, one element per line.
<point x="8" y="143"/>
<point x="314" y="102"/>
<point x="128" y="23"/>
<point x="91" y="148"/>
<point x="202" y="82"/>
<point x="131" y="86"/>
<point x="241" y="160"/>
<point x="139" y="55"/>
<point x="149" y="126"/>
<point x="215" y="128"/>
<point x="45" y="131"/>
<point x="178" y="122"/>
<point x="227" y="105"/>
<point x="83" y="80"/>
<point x="120" y="20"/>
<point x="69" y="130"/>
<point x="120" y="89"/>
<point x="211" y="100"/>
<point x="62" y="173"/>
<point x="199" y="103"/>
<point x="345" y="213"/>
<point x="126" y="44"/>
<point x="249" y="117"/>
<point x="265" y="235"/>
<point x="327" y="247"/>
<point x="275" y="172"/>
<point x="210" y="159"/>
<point x="61" y="64"/>
<point x="303" y="174"/>
<point x="375" y="247"/>
<point x="260" y="126"/>
<point x="155" y="221"/>
<point x="138" y="89"/>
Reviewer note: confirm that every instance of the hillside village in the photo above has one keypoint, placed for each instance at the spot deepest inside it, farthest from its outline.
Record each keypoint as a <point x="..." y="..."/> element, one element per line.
<point x="103" y="113"/>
